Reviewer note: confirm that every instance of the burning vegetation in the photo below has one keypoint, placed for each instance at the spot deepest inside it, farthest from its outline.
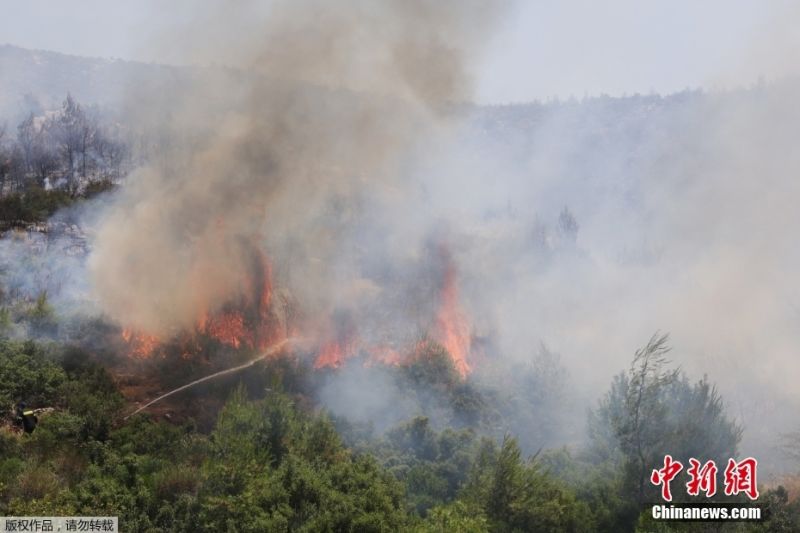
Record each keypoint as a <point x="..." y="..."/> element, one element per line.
<point x="448" y="327"/>
<point x="250" y="321"/>
<point x="270" y="320"/>
<point x="452" y="330"/>
<point x="255" y="321"/>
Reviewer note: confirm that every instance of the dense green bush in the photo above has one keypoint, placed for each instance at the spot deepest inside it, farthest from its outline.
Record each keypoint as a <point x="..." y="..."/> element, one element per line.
<point x="28" y="372"/>
<point x="273" y="463"/>
<point x="32" y="206"/>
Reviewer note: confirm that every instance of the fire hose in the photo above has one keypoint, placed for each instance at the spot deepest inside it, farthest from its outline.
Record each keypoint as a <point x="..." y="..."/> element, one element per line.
<point x="272" y="350"/>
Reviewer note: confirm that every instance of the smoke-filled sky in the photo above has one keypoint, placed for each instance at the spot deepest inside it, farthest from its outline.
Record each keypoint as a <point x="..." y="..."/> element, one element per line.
<point x="547" y="48"/>
<point x="684" y="204"/>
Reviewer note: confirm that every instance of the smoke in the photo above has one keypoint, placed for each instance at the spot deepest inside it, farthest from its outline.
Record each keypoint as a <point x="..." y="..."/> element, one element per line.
<point x="283" y="152"/>
<point x="334" y="146"/>
<point x="684" y="206"/>
<point x="43" y="278"/>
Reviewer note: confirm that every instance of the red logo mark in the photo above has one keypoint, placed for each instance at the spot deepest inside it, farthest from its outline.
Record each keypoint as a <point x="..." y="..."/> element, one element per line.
<point x="741" y="477"/>
<point x="702" y="478"/>
<point x="665" y="475"/>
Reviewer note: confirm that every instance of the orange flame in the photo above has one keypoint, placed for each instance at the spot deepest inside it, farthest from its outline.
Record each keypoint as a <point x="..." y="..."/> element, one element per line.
<point x="250" y="323"/>
<point x="227" y="328"/>
<point x="384" y="355"/>
<point x="141" y="345"/>
<point x="253" y="323"/>
<point x="339" y="342"/>
<point x="452" y="329"/>
<point x="333" y="354"/>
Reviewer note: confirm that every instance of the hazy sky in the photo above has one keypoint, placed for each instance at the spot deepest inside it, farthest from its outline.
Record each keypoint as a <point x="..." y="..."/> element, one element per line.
<point x="545" y="48"/>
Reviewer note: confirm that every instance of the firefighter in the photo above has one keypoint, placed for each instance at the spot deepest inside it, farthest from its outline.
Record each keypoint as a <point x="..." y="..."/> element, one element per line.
<point x="26" y="417"/>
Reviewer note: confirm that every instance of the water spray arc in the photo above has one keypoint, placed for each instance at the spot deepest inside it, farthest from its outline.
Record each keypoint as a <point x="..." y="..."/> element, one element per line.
<point x="272" y="350"/>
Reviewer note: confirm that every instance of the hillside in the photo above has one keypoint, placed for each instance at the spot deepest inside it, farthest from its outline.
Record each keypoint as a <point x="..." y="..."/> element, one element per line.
<point x="372" y="311"/>
<point x="35" y="80"/>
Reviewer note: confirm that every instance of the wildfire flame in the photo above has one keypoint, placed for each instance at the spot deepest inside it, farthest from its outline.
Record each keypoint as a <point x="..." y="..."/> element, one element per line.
<point x="384" y="355"/>
<point x="141" y="345"/>
<point x="228" y="328"/>
<point x="340" y="342"/>
<point x="452" y="329"/>
<point x="333" y="354"/>
<point x="249" y="323"/>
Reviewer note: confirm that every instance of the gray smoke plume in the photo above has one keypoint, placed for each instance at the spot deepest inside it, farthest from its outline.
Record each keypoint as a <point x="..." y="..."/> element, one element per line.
<point x="326" y="102"/>
<point x="330" y="146"/>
